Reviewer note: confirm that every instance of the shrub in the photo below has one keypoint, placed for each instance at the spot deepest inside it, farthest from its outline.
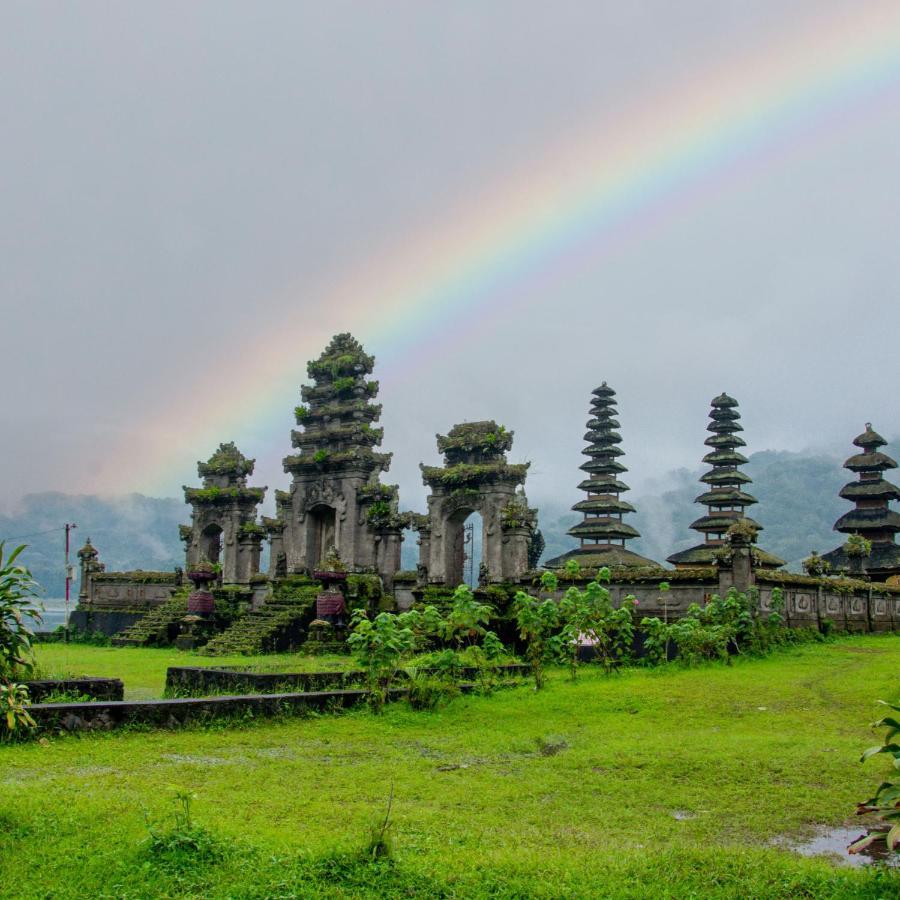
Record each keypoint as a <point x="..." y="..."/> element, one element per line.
<point x="14" y="717"/>
<point x="886" y="801"/>
<point x="589" y="616"/>
<point x="184" y="844"/>
<point x="379" y="645"/>
<point x="537" y="620"/>
<point x="17" y="614"/>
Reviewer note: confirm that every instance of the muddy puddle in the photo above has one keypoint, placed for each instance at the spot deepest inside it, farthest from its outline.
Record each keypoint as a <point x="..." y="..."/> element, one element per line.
<point x="833" y="843"/>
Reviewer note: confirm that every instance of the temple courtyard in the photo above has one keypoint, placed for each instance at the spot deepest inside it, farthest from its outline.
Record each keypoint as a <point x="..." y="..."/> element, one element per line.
<point x="671" y="782"/>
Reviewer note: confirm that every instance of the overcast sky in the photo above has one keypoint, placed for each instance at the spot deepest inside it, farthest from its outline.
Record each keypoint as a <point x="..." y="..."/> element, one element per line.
<point x="181" y="181"/>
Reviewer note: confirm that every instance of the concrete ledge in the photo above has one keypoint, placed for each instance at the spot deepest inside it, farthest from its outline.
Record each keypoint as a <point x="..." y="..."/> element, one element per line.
<point x="200" y="680"/>
<point x="175" y="713"/>
<point x="95" y="688"/>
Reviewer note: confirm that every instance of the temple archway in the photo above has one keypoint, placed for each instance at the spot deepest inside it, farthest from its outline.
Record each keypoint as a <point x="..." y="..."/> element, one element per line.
<point x="476" y="478"/>
<point x="211" y="545"/>
<point x="322" y="532"/>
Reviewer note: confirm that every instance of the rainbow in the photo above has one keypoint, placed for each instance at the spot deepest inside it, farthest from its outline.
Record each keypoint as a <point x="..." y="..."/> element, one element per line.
<point x="584" y="195"/>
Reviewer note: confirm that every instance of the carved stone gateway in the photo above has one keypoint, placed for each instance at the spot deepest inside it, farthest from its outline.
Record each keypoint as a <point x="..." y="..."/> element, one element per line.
<point x="336" y="501"/>
<point x="475" y="477"/>
<point x="223" y="529"/>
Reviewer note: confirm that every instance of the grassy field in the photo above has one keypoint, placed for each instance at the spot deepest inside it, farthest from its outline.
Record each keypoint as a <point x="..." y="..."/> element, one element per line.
<point x="670" y="783"/>
<point x="143" y="671"/>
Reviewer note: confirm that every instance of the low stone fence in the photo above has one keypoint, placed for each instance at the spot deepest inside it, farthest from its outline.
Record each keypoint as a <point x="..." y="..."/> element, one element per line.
<point x="94" y="688"/>
<point x="183" y="711"/>
<point x="198" y="681"/>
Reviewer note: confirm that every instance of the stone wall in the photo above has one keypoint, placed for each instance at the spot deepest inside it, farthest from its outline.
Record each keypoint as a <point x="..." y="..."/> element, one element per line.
<point x="95" y="688"/>
<point x="184" y="711"/>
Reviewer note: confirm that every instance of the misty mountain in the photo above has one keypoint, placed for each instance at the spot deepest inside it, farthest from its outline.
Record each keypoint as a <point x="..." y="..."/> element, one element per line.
<point x="798" y="506"/>
<point x="797" y="493"/>
<point x="131" y="532"/>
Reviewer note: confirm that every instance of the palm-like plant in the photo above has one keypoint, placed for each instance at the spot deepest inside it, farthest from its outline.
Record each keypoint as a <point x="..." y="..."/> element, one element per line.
<point x="18" y="615"/>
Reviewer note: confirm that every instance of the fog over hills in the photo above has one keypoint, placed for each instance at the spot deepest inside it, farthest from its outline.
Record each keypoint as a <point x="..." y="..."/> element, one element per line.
<point x="797" y="493"/>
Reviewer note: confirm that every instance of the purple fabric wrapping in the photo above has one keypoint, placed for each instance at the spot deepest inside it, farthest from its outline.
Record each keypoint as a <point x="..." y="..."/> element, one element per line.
<point x="330" y="605"/>
<point x="201" y="603"/>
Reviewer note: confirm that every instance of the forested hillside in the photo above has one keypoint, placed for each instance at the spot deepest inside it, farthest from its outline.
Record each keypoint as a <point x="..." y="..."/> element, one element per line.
<point x="798" y="505"/>
<point x="131" y="532"/>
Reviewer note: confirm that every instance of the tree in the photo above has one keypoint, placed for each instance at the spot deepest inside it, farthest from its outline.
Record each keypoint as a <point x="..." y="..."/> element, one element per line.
<point x="379" y="645"/>
<point x="537" y="620"/>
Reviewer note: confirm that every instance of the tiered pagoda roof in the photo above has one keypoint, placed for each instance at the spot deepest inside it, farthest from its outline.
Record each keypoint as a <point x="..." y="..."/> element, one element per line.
<point x="872" y="518"/>
<point x="474" y="453"/>
<point x="603" y="532"/>
<point x="725" y="499"/>
<point x="338" y="414"/>
<point x="224" y="477"/>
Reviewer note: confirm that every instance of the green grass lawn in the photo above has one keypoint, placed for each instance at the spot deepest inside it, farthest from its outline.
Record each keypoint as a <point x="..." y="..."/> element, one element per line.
<point x="664" y="783"/>
<point x="143" y="670"/>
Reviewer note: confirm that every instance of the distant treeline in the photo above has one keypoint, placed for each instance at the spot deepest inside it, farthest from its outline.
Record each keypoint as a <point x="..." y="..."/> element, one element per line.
<point x="798" y="496"/>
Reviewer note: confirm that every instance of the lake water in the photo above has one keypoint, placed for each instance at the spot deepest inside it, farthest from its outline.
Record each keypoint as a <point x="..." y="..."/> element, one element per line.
<point x="54" y="613"/>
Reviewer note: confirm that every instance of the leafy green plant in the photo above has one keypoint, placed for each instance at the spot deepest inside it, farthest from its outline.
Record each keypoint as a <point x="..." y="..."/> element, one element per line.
<point x="886" y="801"/>
<point x="380" y="845"/>
<point x="466" y="620"/>
<point x="858" y="547"/>
<point x="184" y="843"/>
<point x="14" y="717"/>
<point x="536" y="621"/>
<point x="17" y="615"/>
<point x="486" y="657"/>
<point x="379" y="645"/>
<point x="589" y="617"/>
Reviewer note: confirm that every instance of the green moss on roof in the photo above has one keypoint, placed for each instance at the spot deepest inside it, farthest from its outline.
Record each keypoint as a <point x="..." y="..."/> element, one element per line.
<point x="227" y="460"/>
<point x="605" y="505"/>
<point x="720" y="496"/>
<point x="611" y="556"/>
<point x="870" y="490"/>
<point x="869" y="438"/>
<point x="870" y="462"/>
<point x="463" y="473"/>
<point x="862" y="520"/>
<point x="599" y="528"/>
<point x="224" y="495"/>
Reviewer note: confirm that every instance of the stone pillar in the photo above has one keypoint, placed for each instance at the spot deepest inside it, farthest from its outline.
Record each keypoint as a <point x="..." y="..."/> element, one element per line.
<point x="424" y="542"/>
<point x="515" y="552"/>
<point x="387" y="555"/>
<point x="277" y="560"/>
<point x="247" y="557"/>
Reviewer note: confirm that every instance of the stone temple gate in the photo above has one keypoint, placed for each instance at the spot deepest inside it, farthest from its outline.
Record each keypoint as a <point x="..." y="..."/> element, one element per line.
<point x="475" y="477"/>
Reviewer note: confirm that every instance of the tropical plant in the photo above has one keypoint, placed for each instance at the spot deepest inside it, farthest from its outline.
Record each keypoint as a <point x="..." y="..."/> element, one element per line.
<point x="184" y="843"/>
<point x="589" y="618"/>
<point x="17" y="615"/>
<point x="379" y="645"/>
<point x="537" y="620"/>
<point x="14" y="716"/>
<point x="426" y="625"/>
<point x="858" y="547"/>
<point x="467" y="618"/>
<point x="486" y="657"/>
<point x="886" y="801"/>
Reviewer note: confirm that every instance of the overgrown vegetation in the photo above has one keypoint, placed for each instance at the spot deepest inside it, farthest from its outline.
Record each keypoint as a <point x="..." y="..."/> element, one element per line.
<point x="521" y="794"/>
<point x="886" y="801"/>
<point x="18" y="615"/>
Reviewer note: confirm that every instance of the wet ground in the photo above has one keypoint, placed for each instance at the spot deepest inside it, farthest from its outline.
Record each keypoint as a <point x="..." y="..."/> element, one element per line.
<point x="833" y="842"/>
